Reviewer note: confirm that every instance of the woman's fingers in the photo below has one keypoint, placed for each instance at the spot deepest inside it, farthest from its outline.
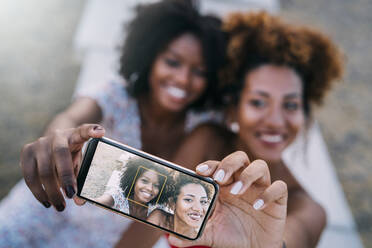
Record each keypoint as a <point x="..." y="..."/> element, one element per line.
<point x="222" y="171"/>
<point x="47" y="174"/>
<point x="79" y="201"/>
<point x="207" y="168"/>
<point x="31" y="175"/>
<point x="83" y="133"/>
<point x="256" y="173"/>
<point x="276" y="192"/>
<point x="64" y="165"/>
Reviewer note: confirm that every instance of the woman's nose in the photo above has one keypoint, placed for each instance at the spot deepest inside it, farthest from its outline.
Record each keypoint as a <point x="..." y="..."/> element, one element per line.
<point x="275" y="118"/>
<point x="197" y="206"/>
<point x="183" y="76"/>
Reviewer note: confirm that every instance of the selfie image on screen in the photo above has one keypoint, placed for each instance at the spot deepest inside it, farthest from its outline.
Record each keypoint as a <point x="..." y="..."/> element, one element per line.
<point x="147" y="190"/>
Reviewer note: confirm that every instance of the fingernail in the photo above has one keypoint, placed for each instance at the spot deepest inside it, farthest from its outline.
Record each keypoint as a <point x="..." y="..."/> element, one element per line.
<point x="202" y="168"/>
<point x="46" y="204"/>
<point x="219" y="176"/>
<point x="60" y="207"/>
<point x="258" y="204"/>
<point x="97" y="128"/>
<point x="70" y="192"/>
<point x="236" y="188"/>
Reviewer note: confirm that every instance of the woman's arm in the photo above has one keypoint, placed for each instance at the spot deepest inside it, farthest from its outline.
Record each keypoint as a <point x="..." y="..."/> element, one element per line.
<point x="82" y="110"/>
<point x="306" y="218"/>
<point x="60" y="151"/>
<point x="106" y="200"/>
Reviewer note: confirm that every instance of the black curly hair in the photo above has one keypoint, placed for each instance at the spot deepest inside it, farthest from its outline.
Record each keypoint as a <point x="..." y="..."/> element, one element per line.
<point x="182" y="180"/>
<point x="133" y="166"/>
<point x="154" y="27"/>
<point x="259" y="38"/>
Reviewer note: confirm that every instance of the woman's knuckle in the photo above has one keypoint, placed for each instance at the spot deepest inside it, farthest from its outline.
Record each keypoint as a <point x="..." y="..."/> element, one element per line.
<point x="281" y="184"/>
<point x="45" y="173"/>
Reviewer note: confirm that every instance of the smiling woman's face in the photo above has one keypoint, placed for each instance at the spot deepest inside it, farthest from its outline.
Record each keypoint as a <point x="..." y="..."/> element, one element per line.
<point x="270" y="111"/>
<point x="146" y="187"/>
<point x="177" y="78"/>
<point x="191" y="205"/>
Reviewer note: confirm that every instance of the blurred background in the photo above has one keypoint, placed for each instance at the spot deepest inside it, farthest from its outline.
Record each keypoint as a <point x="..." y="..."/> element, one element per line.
<point x="40" y="64"/>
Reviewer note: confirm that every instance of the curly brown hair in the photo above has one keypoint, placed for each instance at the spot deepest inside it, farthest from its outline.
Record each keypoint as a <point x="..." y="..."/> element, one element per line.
<point x="260" y="38"/>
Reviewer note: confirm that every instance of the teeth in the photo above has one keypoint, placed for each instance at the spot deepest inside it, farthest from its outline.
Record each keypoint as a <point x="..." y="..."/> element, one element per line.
<point x="194" y="216"/>
<point x="146" y="194"/>
<point x="272" y="138"/>
<point x="176" y="92"/>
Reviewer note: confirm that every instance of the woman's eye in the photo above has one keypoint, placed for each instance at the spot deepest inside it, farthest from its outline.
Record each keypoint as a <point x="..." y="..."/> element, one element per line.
<point x="291" y="106"/>
<point x="199" y="72"/>
<point x="258" y="103"/>
<point x="172" y="62"/>
<point x="203" y="202"/>
<point x="188" y="200"/>
<point x="144" y="181"/>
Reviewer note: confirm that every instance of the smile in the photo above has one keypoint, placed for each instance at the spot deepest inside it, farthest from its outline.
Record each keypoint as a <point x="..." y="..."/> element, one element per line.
<point x="195" y="216"/>
<point x="176" y="92"/>
<point x="146" y="194"/>
<point x="271" y="138"/>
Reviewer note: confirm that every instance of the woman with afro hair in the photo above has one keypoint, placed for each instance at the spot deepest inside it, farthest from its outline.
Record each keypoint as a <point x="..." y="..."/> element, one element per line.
<point x="276" y="73"/>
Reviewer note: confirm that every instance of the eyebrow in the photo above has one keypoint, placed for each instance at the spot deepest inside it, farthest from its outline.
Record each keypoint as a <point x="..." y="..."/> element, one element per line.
<point x="264" y="94"/>
<point x="292" y="95"/>
<point x="194" y="195"/>
<point x="260" y="92"/>
<point x="174" y="53"/>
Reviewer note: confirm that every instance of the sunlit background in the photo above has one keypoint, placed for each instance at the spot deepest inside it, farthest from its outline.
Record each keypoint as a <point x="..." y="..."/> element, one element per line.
<point x="40" y="65"/>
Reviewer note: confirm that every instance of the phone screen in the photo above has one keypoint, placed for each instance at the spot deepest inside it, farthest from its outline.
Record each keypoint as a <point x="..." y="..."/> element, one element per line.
<point x="146" y="188"/>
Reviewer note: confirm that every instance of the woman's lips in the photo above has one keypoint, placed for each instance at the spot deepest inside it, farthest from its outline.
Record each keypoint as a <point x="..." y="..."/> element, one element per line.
<point x="195" y="216"/>
<point x="146" y="194"/>
<point x="270" y="138"/>
<point x="176" y="92"/>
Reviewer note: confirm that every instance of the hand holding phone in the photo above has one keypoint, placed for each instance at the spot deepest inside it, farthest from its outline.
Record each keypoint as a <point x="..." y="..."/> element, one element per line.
<point x="51" y="162"/>
<point x="250" y="211"/>
<point x="146" y="188"/>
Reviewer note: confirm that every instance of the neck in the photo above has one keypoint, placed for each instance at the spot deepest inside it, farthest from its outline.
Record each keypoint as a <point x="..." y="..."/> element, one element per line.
<point x="182" y="228"/>
<point x="137" y="210"/>
<point x="153" y="114"/>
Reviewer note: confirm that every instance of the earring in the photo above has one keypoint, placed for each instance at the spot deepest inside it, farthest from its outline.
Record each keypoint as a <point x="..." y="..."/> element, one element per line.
<point x="133" y="77"/>
<point x="234" y="127"/>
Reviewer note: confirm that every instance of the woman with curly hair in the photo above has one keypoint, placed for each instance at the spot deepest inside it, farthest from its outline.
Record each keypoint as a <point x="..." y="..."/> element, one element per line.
<point x="189" y="199"/>
<point x="140" y="184"/>
<point x="276" y="73"/>
<point x="169" y="63"/>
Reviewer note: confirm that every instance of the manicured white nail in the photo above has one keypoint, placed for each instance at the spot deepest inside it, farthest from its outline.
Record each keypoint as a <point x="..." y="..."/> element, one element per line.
<point x="236" y="188"/>
<point x="258" y="204"/>
<point x="202" y="167"/>
<point x="219" y="176"/>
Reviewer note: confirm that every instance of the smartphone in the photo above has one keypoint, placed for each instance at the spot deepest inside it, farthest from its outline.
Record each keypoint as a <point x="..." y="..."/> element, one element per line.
<point x="146" y="188"/>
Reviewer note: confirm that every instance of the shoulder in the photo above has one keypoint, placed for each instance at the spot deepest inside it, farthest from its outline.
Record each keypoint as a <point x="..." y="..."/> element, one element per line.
<point x="214" y="135"/>
<point x="205" y="142"/>
<point x="158" y="216"/>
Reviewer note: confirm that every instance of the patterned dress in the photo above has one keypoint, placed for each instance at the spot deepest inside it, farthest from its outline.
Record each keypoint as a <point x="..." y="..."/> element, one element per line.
<point x="24" y="222"/>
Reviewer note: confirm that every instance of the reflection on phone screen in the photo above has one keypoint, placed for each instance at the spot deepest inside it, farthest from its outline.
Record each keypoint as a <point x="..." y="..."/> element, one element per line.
<point x="147" y="190"/>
